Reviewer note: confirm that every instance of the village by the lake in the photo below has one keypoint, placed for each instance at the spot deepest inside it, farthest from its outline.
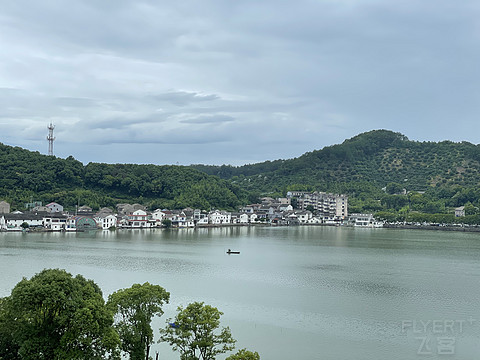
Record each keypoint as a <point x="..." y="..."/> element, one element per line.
<point x="315" y="208"/>
<point x="297" y="208"/>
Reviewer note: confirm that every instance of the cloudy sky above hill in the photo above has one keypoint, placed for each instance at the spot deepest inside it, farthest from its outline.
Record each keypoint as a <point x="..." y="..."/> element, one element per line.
<point x="234" y="82"/>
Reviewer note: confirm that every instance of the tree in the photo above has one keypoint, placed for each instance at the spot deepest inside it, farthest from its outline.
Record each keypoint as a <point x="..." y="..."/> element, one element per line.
<point x="192" y="333"/>
<point x="134" y="308"/>
<point x="294" y="202"/>
<point x="244" y="354"/>
<point x="393" y="188"/>
<point x="167" y="223"/>
<point x="8" y="347"/>
<point x="470" y="209"/>
<point x="57" y="316"/>
<point x="24" y="225"/>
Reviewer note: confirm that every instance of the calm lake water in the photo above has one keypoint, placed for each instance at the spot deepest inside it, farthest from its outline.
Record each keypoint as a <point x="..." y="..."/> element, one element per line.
<point x="293" y="292"/>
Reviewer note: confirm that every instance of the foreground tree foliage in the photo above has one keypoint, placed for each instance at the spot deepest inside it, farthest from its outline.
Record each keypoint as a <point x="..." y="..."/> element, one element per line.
<point x="244" y="354"/>
<point x="193" y="333"/>
<point x="135" y="308"/>
<point x="56" y="316"/>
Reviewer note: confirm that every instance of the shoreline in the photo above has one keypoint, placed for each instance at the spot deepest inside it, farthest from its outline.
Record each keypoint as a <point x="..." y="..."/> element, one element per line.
<point x="432" y="227"/>
<point x="207" y="226"/>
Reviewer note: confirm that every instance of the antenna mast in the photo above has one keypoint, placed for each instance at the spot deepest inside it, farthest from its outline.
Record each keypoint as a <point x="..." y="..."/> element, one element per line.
<point x="50" y="139"/>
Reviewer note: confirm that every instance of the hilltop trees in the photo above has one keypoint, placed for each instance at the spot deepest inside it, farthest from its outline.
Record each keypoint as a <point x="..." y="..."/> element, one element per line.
<point x="25" y="174"/>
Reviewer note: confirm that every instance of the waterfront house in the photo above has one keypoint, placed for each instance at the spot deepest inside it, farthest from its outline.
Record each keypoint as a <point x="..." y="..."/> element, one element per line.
<point x="292" y="219"/>
<point x="138" y="220"/>
<point x="219" y="217"/>
<point x="364" y="220"/>
<point x="106" y="221"/>
<point x="14" y="221"/>
<point x="181" y="220"/>
<point x="304" y="216"/>
<point x="158" y="216"/>
<point x="243" y="218"/>
<point x="55" y="221"/>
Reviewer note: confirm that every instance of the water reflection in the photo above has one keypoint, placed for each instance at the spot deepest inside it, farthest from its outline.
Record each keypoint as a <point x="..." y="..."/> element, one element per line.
<point x="292" y="292"/>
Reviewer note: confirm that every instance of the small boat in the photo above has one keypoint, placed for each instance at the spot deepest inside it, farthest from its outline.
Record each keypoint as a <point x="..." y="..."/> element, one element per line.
<point x="232" y="252"/>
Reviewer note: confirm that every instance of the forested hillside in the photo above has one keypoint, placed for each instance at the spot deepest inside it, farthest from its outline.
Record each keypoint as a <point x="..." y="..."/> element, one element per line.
<point x="26" y="175"/>
<point x="374" y="169"/>
<point x="378" y="157"/>
<point x="437" y="176"/>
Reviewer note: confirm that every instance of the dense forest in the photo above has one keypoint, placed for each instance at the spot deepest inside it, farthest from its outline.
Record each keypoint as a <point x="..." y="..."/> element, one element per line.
<point x="381" y="171"/>
<point x="378" y="157"/>
<point x="26" y="175"/>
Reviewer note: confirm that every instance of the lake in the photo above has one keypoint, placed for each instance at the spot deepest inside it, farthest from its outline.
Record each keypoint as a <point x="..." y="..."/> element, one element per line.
<point x="293" y="292"/>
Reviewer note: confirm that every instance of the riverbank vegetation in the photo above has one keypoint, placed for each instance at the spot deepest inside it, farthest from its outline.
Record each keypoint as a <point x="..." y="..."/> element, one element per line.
<point x="56" y="316"/>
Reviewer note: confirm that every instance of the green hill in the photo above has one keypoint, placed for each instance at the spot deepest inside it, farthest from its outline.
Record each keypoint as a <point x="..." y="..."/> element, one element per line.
<point x="26" y="175"/>
<point x="378" y="157"/>
<point x="438" y="176"/>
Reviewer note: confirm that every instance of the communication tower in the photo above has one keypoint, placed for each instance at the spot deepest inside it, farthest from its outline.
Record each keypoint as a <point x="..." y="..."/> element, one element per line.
<point x="50" y="139"/>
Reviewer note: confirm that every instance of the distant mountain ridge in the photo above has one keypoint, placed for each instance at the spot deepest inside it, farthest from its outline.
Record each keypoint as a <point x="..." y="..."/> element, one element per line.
<point x="378" y="157"/>
<point x="359" y="167"/>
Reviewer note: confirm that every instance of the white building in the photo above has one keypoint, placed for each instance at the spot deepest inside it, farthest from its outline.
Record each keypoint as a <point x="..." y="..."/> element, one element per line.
<point x="158" y="216"/>
<point x="54" y="207"/>
<point x="138" y="220"/>
<point x="107" y="222"/>
<point x="219" y="217"/>
<point x="304" y="216"/>
<point x="55" y="222"/>
<point x="13" y="222"/>
<point x="243" y="219"/>
<point x="363" y="220"/>
<point x="460" y="211"/>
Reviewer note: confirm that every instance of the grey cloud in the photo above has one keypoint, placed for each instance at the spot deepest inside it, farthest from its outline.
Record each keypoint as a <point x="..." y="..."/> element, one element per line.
<point x="183" y="98"/>
<point x="75" y="102"/>
<point x="214" y="119"/>
<point x="308" y="73"/>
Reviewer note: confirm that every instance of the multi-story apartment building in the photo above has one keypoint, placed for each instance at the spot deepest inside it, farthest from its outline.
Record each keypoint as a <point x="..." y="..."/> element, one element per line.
<point x="328" y="206"/>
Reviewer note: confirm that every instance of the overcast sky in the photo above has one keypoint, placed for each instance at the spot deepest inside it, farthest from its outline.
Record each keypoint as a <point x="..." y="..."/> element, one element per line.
<point x="234" y="82"/>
